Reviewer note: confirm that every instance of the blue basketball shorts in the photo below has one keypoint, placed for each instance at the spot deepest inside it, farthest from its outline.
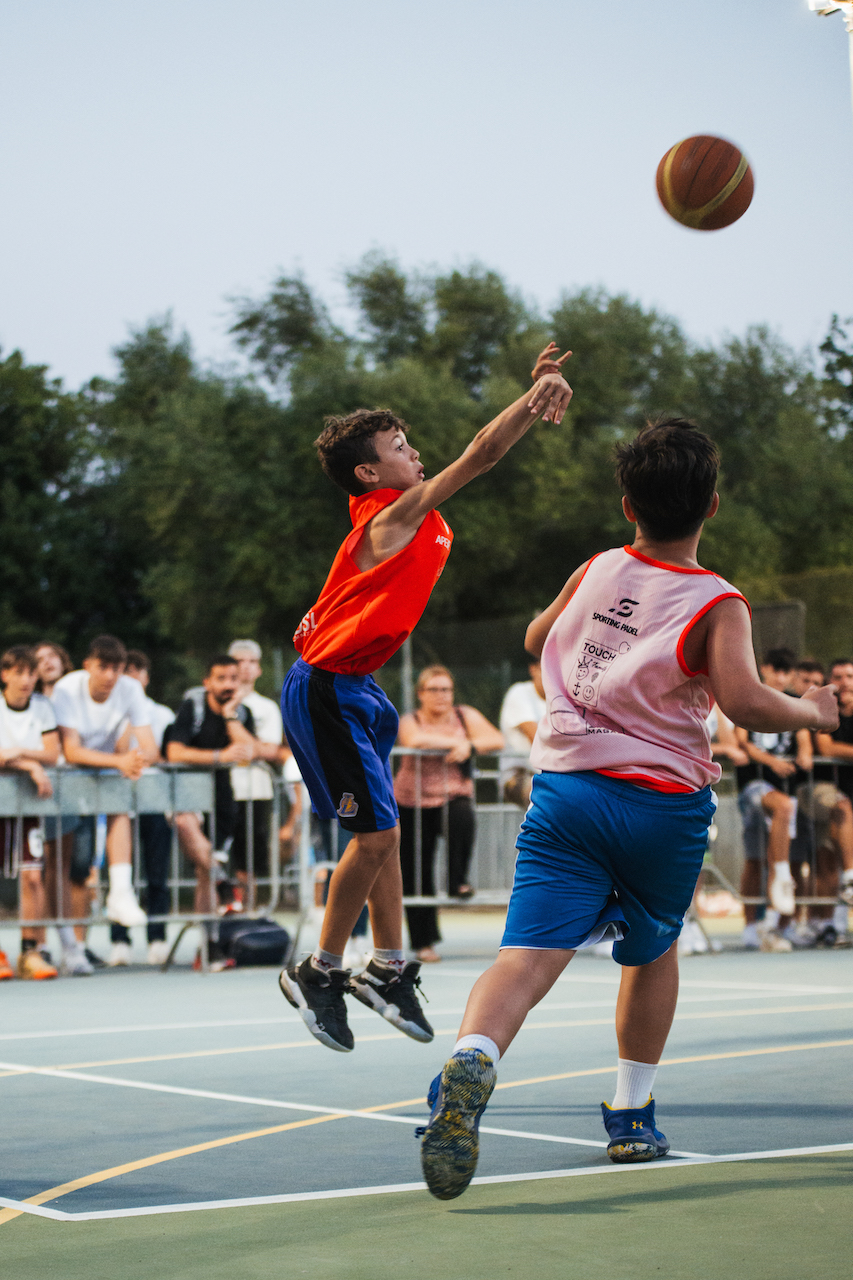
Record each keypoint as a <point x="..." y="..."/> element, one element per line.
<point x="594" y="852"/>
<point x="341" y="730"/>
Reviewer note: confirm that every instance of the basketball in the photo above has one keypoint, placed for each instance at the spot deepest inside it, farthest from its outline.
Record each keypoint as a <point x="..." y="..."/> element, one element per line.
<point x="705" y="183"/>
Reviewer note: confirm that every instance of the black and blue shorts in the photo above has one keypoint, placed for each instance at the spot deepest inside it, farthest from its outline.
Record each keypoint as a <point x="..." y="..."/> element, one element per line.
<point x="341" y="730"/>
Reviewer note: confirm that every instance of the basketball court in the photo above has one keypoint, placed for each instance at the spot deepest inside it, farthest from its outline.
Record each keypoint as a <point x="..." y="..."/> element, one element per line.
<point x="188" y="1126"/>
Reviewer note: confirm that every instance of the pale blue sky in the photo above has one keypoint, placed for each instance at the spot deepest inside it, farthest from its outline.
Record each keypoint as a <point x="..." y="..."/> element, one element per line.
<point x="167" y="154"/>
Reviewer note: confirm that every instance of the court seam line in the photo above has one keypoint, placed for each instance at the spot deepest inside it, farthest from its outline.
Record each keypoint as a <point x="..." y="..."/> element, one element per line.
<point x="748" y="989"/>
<point x="23" y="1207"/>
<point x="530" y="1026"/>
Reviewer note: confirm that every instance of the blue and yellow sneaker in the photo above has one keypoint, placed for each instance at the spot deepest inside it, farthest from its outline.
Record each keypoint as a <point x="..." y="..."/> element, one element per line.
<point x="451" y="1143"/>
<point x="632" y="1133"/>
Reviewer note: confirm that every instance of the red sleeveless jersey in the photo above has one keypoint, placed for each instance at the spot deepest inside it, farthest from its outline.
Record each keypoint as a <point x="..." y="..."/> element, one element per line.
<point x="361" y="619"/>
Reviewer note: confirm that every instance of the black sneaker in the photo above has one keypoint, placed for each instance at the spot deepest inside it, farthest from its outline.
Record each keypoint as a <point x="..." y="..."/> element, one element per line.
<point x="320" y="1000"/>
<point x="95" y="961"/>
<point x="394" y="996"/>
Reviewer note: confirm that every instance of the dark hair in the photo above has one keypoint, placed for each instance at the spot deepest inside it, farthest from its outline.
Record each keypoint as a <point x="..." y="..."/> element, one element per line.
<point x="346" y="442"/>
<point x="109" y="650"/>
<point x="668" y="473"/>
<point x="19" y="655"/>
<point x="221" y="660"/>
<point x="810" y="664"/>
<point x="781" y="659"/>
<point x="841" y="662"/>
<point x="138" y="660"/>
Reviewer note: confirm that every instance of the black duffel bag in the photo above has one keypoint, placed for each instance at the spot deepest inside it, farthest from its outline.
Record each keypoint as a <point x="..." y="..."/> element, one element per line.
<point x="249" y="940"/>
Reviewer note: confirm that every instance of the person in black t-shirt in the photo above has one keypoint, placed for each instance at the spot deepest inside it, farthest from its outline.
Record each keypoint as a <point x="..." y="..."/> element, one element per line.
<point x="212" y="728"/>
<point x="838" y="745"/>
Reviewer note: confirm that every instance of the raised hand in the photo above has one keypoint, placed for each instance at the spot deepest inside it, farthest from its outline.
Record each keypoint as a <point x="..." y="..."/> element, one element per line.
<point x="548" y="362"/>
<point x="827" y="705"/>
<point x="551" y="396"/>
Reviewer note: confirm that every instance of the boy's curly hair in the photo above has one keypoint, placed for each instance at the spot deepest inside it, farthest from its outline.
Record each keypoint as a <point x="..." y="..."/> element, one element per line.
<point x="668" y="473"/>
<point x="347" y="441"/>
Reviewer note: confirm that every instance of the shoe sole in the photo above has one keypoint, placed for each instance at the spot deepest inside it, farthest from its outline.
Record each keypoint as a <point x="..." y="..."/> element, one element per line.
<point x="634" y="1152"/>
<point x="451" y="1145"/>
<point x="369" y="996"/>
<point x="293" y="994"/>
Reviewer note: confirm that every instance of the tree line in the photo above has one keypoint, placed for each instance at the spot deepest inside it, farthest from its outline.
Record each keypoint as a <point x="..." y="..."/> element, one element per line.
<point x="178" y="506"/>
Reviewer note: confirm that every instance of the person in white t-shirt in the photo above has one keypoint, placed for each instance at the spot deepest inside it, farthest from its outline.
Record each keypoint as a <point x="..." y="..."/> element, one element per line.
<point x="521" y="710"/>
<point x="91" y="709"/>
<point x="155" y="832"/>
<point x="29" y="740"/>
<point x="253" y="783"/>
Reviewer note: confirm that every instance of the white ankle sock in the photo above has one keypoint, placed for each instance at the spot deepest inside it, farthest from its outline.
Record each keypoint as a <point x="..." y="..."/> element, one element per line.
<point x="326" y="960"/>
<point x="67" y="937"/>
<point x="633" y="1084"/>
<point x="479" y="1042"/>
<point x="391" y="959"/>
<point x="120" y="876"/>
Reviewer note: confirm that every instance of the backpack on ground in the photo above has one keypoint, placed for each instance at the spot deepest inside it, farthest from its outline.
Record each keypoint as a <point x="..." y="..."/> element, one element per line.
<point x="251" y="941"/>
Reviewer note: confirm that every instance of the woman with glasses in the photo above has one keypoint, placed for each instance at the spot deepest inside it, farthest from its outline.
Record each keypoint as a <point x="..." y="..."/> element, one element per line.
<point x="428" y="783"/>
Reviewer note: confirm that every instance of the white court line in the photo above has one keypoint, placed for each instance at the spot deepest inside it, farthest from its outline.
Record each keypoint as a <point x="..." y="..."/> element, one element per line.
<point x="396" y="1188"/>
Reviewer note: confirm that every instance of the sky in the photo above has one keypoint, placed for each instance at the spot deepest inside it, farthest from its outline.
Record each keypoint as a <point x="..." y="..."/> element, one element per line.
<point x="172" y="155"/>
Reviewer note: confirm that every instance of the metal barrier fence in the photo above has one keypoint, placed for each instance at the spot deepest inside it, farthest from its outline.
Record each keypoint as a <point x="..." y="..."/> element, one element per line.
<point x="170" y="789"/>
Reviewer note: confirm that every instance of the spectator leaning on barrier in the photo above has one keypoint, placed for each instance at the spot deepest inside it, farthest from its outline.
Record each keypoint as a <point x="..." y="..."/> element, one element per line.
<point x="29" y="740"/>
<point x="521" y="710"/>
<point x="254" y="784"/>
<point x="92" y="708"/>
<point x="769" y="812"/>
<point x="155" y="833"/>
<point x="839" y="746"/>
<point x="211" y="728"/>
<point x="459" y="730"/>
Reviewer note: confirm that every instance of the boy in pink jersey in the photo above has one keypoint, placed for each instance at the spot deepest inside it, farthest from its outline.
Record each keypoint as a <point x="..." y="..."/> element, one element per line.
<point x="634" y="649"/>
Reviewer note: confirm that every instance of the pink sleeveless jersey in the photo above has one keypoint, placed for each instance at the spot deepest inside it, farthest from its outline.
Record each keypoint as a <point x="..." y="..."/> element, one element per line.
<point x="620" y="697"/>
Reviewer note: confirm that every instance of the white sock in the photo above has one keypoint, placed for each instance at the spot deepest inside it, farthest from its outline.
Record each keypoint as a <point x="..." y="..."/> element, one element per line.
<point x="479" y="1042"/>
<point x="782" y="870"/>
<point x="67" y="937"/>
<point x="326" y="960"/>
<point x="120" y="877"/>
<point x="633" y="1084"/>
<point x="395" y="960"/>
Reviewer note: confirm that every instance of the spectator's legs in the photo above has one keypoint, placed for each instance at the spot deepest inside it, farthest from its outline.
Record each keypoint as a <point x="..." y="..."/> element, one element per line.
<point x="121" y="905"/>
<point x="368" y="871"/>
<point x="155" y="837"/>
<point x="779" y="807"/>
<point x="460" y="840"/>
<point x="198" y="849"/>
<point x="750" y="887"/>
<point x="422" y="921"/>
<point x="33" y="902"/>
<point x="841" y="832"/>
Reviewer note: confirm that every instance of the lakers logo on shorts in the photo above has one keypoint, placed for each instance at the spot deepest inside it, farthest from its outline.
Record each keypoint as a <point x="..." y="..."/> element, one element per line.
<point x="348" y="807"/>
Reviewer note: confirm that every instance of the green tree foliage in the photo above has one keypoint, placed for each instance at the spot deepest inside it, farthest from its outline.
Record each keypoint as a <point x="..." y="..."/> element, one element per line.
<point x="179" y="506"/>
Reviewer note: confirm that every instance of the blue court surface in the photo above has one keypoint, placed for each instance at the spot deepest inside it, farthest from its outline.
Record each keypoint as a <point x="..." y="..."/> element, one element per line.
<point x="188" y="1125"/>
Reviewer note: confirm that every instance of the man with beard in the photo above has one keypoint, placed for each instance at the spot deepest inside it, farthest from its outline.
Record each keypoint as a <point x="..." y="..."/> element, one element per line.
<point x="212" y="728"/>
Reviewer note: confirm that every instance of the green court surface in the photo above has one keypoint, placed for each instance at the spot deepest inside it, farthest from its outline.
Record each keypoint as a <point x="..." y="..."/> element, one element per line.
<point x="187" y="1126"/>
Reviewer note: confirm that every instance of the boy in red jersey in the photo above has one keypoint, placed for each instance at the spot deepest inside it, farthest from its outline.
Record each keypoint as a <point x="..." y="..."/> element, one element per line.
<point x="634" y="648"/>
<point x="340" y="725"/>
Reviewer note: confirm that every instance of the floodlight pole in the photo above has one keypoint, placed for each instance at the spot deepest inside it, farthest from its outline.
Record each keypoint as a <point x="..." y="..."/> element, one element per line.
<point x="844" y="7"/>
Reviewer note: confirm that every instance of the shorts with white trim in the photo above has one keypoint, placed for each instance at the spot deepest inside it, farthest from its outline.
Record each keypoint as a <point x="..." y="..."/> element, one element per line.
<point x="341" y="730"/>
<point x="600" y="858"/>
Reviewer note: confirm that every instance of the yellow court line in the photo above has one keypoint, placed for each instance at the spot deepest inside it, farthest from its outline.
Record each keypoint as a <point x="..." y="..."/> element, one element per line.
<point x="65" y="1188"/>
<point x="393" y="1035"/>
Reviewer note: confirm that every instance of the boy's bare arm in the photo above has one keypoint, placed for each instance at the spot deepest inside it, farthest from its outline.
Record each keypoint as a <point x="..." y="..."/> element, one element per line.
<point x="537" y="632"/>
<point x="827" y="746"/>
<point x="737" y="685"/>
<point x="394" y="528"/>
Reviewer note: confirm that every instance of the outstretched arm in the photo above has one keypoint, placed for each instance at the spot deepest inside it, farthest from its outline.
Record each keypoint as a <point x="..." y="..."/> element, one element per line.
<point x="395" y="526"/>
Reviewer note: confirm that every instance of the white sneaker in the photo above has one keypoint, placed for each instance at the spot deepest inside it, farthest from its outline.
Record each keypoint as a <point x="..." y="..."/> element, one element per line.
<point x="771" y="940"/>
<point x="119" y="956"/>
<point x="158" y="952"/>
<point x="750" y="939"/>
<point x="845" y="889"/>
<point x="780" y="889"/>
<point x="122" y="908"/>
<point x="74" y="963"/>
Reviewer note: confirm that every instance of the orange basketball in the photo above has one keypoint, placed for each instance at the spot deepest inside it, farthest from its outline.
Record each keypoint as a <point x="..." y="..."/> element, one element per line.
<point x="705" y="183"/>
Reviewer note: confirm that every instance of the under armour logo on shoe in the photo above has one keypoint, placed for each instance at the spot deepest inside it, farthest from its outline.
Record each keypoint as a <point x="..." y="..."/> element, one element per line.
<point x="348" y="807"/>
<point x="636" y="1124"/>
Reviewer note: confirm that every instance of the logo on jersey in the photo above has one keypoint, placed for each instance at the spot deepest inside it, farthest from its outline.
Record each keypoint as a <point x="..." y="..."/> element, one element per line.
<point x="625" y="609"/>
<point x="593" y="663"/>
<point x="445" y="542"/>
<point x="307" y="625"/>
<point x="348" y="807"/>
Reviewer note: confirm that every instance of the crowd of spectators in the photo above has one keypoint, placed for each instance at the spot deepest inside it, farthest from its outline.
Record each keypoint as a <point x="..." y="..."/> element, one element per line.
<point x="101" y="717"/>
<point x="797" y="814"/>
